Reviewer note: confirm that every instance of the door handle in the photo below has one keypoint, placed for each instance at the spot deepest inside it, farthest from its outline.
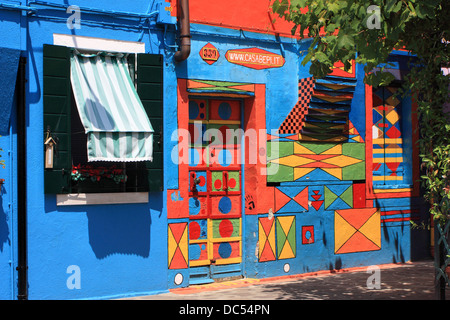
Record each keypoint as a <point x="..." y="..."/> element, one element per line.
<point x="193" y="184"/>
<point x="225" y="180"/>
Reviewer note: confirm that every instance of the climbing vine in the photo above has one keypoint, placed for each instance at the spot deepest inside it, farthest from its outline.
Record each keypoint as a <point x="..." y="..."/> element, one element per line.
<point x="367" y="32"/>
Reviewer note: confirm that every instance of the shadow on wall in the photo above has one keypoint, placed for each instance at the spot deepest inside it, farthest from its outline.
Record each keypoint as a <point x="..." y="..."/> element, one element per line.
<point x="4" y="230"/>
<point x="123" y="229"/>
<point x="116" y="229"/>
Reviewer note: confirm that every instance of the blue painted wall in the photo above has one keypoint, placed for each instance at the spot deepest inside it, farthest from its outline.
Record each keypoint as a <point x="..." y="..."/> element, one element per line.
<point x="11" y="39"/>
<point x="119" y="249"/>
<point x="122" y="249"/>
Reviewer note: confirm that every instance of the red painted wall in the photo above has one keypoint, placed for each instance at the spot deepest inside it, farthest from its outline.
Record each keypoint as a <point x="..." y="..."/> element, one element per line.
<point x="249" y="15"/>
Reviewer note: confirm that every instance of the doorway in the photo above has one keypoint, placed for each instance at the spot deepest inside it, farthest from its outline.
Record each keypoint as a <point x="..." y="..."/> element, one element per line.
<point x="215" y="189"/>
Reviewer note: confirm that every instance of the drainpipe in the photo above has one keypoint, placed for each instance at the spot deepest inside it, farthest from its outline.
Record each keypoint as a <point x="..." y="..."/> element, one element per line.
<point x="185" y="31"/>
<point x="22" y="266"/>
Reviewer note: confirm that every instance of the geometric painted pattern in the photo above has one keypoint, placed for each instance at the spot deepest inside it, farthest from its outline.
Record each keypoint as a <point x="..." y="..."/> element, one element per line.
<point x="207" y="86"/>
<point x="328" y="112"/>
<point x="338" y="197"/>
<point x="387" y="136"/>
<point x="294" y="121"/>
<point x="178" y="245"/>
<point x="311" y="161"/>
<point x="267" y="245"/>
<point x="357" y="230"/>
<point x="316" y="197"/>
<point x="291" y="199"/>
<point x="352" y="133"/>
<point x="286" y="237"/>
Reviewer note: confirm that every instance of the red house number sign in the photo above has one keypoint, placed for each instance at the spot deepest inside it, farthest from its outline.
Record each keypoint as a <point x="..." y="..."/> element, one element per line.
<point x="209" y="54"/>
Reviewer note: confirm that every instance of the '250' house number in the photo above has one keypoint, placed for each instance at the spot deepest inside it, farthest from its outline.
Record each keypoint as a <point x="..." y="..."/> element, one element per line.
<point x="209" y="53"/>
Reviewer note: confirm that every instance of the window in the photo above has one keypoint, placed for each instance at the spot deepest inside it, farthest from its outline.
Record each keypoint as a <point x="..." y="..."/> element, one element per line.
<point x="392" y="138"/>
<point x="62" y="122"/>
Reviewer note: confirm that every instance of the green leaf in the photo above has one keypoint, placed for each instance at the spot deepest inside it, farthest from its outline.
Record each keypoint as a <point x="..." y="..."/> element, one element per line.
<point x="345" y="41"/>
<point x="397" y="7"/>
<point x="322" y="57"/>
<point x="389" y="6"/>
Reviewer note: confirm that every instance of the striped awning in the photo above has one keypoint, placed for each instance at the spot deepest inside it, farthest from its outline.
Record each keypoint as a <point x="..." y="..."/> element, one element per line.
<point x="110" y="110"/>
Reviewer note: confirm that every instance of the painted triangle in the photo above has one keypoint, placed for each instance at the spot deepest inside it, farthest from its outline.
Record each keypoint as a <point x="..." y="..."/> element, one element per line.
<point x="286" y="252"/>
<point x="318" y="157"/>
<point x="372" y="230"/>
<point x="267" y="253"/>
<point x="286" y="223"/>
<point x="330" y="197"/>
<point x="177" y="230"/>
<point x="393" y="166"/>
<point x="178" y="261"/>
<point x="302" y="198"/>
<point x="271" y="137"/>
<point x="245" y="87"/>
<point x="357" y="243"/>
<point x="281" y="199"/>
<point x="319" y="164"/>
<point x="293" y="137"/>
<point x="316" y="204"/>
<point x="266" y="224"/>
<point x="356" y="217"/>
<point x="191" y="84"/>
<point x="347" y="196"/>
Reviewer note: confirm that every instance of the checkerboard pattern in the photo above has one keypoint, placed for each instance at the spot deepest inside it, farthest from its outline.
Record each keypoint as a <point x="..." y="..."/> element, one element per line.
<point x="294" y="121"/>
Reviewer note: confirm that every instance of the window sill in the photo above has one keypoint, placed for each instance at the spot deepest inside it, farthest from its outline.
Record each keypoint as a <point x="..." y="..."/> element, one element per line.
<point x="79" y="199"/>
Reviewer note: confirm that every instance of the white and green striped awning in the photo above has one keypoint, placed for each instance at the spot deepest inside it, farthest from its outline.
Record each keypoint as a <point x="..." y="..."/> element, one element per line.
<point x="110" y="110"/>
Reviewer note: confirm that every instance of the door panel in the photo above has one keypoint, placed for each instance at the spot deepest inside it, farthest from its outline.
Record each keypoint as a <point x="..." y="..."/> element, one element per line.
<point x="215" y="202"/>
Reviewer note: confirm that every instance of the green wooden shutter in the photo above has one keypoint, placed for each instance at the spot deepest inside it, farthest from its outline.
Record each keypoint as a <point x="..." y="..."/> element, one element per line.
<point x="57" y="104"/>
<point x="150" y="90"/>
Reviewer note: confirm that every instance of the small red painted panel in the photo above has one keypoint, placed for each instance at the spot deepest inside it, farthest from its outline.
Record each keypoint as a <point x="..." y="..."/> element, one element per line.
<point x="198" y="207"/>
<point x="227" y="206"/>
<point x="255" y="58"/>
<point x="198" y="230"/>
<point x="198" y="254"/>
<point x="229" y="110"/>
<point x="226" y="250"/>
<point x="209" y="54"/>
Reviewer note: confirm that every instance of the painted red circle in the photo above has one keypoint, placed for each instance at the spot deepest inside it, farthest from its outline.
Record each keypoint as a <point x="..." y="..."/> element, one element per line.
<point x="232" y="183"/>
<point x="194" y="230"/>
<point x="225" y="228"/>
<point x="217" y="184"/>
<point x="202" y="181"/>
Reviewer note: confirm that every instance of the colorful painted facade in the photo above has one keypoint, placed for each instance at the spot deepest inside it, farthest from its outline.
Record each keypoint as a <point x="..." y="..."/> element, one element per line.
<point x="259" y="170"/>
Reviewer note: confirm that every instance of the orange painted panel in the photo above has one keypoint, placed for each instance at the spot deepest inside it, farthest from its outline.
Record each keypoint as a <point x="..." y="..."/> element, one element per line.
<point x="250" y="15"/>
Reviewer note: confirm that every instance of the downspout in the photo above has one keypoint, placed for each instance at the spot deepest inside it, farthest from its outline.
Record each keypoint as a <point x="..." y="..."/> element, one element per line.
<point x="185" y="31"/>
<point x="22" y="266"/>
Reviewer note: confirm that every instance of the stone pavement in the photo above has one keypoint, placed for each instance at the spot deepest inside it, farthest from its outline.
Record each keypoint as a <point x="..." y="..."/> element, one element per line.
<point x="406" y="281"/>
